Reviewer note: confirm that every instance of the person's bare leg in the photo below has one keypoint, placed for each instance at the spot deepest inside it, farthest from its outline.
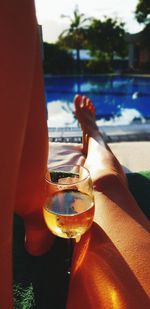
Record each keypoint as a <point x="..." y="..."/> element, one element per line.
<point x="33" y="167"/>
<point x="16" y="75"/>
<point x="101" y="162"/>
<point x="94" y="146"/>
<point x="110" y="266"/>
<point x="19" y="32"/>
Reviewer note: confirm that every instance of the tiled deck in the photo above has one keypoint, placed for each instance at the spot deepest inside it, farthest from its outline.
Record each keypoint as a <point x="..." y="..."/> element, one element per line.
<point x="130" y="144"/>
<point x="112" y="134"/>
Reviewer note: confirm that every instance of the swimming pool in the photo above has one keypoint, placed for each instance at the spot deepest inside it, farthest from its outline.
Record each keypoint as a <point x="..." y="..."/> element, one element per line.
<point x="117" y="99"/>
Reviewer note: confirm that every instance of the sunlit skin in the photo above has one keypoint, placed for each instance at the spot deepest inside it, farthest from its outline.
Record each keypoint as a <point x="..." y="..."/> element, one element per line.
<point x="110" y="266"/>
<point x="23" y="136"/>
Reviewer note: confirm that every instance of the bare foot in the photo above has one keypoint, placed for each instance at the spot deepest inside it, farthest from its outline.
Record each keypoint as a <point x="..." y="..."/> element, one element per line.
<point x="85" y="113"/>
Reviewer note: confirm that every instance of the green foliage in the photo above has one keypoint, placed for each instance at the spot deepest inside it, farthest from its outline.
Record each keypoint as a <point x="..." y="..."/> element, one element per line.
<point x="23" y="297"/>
<point x="100" y="37"/>
<point x="98" y="67"/>
<point x="74" y="40"/>
<point x="142" y="15"/>
<point x="104" y="39"/>
<point x="57" y="60"/>
<point x="107" y="36"/>
<point x="77" y="22"/>
<point x="75" y="36"/>
<point x="100" y="64"/>
<point x="142" y="12"/>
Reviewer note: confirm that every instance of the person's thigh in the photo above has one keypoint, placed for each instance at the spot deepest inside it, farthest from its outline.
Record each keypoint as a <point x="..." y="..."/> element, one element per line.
<point x="18" y="33"/>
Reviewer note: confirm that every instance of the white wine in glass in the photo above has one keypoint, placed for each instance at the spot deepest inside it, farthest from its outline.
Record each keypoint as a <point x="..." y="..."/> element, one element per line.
<point x="69" y="207"/>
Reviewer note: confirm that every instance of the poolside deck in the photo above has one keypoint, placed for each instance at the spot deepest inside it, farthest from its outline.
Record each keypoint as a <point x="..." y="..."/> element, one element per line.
<point x="130" y="144"/>
<point x="112" y="134"/>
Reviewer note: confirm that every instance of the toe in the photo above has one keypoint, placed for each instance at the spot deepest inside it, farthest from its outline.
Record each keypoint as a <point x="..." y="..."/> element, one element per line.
<point x="87" y="103"/>
<point x="77" y="100"/>
<point x="91" y="106"/>
<point x="84" y="101"/>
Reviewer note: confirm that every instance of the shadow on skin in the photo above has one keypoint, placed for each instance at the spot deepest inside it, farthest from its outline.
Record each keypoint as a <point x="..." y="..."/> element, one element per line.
<point x="101" y="278"/>
<point x="114" y="190"/>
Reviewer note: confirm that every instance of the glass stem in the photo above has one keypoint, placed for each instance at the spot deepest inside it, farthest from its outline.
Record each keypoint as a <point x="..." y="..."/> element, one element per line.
<point x="70" y="246"/>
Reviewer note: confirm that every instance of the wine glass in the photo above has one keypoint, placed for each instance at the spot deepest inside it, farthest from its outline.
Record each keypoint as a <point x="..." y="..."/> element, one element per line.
<point x="69" y="205"/>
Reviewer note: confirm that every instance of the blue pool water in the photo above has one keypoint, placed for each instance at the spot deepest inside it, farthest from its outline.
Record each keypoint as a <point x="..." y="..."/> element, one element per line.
<point x="117" y="99"/>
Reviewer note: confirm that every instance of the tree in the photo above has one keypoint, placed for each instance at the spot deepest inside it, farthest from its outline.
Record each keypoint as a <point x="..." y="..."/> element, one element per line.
<point x="142" y="12"/>
<point x="56" y="60"/>
<point x="107" y="37"/>
<point x="74" y="36"/>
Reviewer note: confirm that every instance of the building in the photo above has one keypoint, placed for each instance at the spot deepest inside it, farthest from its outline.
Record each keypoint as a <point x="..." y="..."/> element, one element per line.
<point x="138" y="54"/>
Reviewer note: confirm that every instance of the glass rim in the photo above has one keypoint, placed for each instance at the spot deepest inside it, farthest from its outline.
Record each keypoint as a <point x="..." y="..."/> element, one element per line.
<point x="67" y="165"/>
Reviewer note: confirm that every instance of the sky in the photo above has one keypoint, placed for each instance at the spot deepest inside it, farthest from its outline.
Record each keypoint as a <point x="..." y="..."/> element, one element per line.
<point x="49" y="14"/>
